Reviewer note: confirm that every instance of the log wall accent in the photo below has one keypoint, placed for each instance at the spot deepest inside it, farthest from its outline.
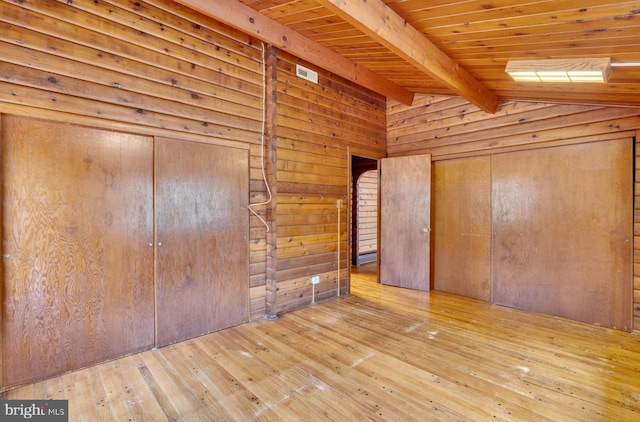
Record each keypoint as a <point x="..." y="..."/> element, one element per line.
<point x="451" y="127"/>
<point x="317" y="127"/>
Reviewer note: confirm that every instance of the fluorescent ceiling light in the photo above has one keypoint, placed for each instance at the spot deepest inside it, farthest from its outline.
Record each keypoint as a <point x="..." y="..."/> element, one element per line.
<point x="560" y="70"/>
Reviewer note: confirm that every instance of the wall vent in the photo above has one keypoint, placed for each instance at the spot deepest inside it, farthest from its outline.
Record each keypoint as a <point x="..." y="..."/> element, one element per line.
<point x="307" y="74"/>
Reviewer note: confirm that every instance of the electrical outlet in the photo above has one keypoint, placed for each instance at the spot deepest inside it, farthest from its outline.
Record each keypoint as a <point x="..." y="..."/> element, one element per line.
<point x="315" y="279"/>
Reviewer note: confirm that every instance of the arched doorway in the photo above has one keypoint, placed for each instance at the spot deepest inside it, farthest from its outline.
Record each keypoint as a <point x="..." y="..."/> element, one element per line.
<point x="364" y="209"/>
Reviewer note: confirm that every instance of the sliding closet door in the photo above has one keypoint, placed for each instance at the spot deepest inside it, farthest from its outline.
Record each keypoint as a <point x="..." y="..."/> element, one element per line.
<point x="202" y="227"/>
<point x="77" y="223"/>
<point x="462" y="227"/>
<point x="563" y="227"/>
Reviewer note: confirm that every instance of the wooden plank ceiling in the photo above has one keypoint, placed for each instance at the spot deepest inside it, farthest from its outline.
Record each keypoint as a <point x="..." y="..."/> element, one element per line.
<point x="443" y="47"/>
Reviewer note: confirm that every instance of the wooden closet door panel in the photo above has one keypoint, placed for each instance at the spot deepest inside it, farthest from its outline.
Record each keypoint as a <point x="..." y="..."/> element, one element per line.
<point x="202" y="230"/>
<point x="462" y="227"/>
<point x="78" y="269"/>
<point x="563" y="227"/>
<point x="405" y="221"/>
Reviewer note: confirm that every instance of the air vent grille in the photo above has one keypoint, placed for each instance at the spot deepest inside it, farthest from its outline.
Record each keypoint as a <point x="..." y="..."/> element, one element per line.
<point x="307" y="74"/>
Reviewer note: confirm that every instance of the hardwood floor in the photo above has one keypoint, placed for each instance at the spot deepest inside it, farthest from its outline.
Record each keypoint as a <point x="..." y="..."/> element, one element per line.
<point x="380" y="354"/>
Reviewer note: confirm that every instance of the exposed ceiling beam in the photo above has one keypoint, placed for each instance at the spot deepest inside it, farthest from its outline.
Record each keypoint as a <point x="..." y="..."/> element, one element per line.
<point x="379" y="21"/>
<point x="249" y="21"/>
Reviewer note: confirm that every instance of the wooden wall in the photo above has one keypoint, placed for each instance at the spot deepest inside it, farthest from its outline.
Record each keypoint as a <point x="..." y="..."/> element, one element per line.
<point x="318" y="127"/>
<point x="367" y="213"/>
<point x="148" y="67"/>
<point x="451" y="127"/>
<point x="153" y="67"/>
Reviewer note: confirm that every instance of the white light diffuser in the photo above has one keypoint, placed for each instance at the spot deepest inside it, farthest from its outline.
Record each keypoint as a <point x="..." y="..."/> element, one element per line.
<point x="560" y="70"/>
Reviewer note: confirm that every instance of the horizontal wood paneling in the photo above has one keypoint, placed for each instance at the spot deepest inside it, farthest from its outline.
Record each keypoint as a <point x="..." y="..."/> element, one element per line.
<point x="368" y="212"/>
<point x="317" y="123"/>
<point x="150" y="67"/>
<point x="143" y="72"/>
<point x="157" y="68"/>
<point x="449" y="127"/>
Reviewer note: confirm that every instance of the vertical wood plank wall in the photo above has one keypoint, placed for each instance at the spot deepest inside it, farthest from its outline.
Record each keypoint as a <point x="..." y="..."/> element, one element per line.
<point x="157" y="68"/>
<point x="317" y="127"/>
<point x="451" y="127"/>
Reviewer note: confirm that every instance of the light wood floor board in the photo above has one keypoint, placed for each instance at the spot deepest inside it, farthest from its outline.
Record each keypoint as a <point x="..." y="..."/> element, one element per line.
<point x="379" y="354"/>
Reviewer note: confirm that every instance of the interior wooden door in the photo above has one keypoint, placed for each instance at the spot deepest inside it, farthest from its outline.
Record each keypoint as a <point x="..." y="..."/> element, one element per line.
<point x="563" y="225"/>
<point x="202" y="230"/>
<point x="462" y="227"/>
<point x="77" y="221"/>
<point x="405" y="218"/>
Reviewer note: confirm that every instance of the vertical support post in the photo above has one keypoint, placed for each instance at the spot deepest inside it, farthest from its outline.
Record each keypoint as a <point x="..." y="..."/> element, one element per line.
<point x="339" y="205"/>
<point x="271" y="141"/>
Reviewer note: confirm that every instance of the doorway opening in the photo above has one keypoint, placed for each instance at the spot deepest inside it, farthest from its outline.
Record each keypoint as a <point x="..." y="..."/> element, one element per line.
<point x="364" y="213"/>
